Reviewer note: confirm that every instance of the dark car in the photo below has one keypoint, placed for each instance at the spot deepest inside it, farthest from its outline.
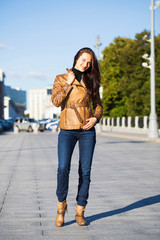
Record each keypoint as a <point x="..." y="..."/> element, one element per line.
<point x="5" y="124"/>
<point x="1" y="128"/>
<point x="41" y="126"/>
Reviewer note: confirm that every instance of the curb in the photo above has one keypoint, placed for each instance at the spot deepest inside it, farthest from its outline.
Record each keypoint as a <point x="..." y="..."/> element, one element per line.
<point x="131" y="137"/>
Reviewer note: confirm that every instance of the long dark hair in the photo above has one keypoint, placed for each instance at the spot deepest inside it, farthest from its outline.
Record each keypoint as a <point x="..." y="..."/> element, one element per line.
<point x="91" y="76"/>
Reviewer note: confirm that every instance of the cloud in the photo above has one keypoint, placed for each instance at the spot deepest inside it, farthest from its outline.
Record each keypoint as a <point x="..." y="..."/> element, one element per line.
<point x="13" y="75"/>
<point x="4" y="46"/>
<point x="37" y="75"/>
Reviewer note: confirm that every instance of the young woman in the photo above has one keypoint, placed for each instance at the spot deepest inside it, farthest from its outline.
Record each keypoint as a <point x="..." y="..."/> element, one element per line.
<point x="77" y="92"/>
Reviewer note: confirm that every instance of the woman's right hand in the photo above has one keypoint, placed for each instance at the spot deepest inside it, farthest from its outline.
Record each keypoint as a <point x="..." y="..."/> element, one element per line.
<point x="71" y="77"/>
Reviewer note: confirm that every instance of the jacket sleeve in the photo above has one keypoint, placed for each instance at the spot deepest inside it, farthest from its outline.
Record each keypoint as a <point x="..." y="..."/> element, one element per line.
<point x="97" y="107"/>
<point x="59" y="92"/>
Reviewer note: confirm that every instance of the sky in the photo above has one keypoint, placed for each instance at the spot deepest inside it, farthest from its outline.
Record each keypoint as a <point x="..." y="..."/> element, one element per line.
<point x="39" y="38"/>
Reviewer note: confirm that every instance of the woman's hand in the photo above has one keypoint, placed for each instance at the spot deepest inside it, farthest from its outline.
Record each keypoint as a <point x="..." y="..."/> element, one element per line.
<point x="90" y="123"/>
<point x="71" y="77"/>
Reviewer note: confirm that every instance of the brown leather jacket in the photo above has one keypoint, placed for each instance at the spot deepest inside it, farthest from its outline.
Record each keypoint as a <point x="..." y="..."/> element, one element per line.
<point x="75" y="103"/>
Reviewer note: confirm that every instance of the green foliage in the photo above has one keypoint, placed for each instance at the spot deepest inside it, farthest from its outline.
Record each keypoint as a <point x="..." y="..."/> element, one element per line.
<point x="26" y="115"/>
<point x="157" y="75"/>
<point x="126" y="84"/>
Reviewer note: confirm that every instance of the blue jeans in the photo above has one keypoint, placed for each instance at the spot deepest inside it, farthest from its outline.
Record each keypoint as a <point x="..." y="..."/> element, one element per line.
<point x="66" y="142"/>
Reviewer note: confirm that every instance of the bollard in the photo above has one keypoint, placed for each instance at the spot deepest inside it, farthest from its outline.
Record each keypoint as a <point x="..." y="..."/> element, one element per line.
<point x="129" y="122"/>
<point x="118" y="121"/>
<point x="98" y="128"/>
<point x="16" y="130"/>
<point x="136" y="122"/>
<point x="108" y="122"/>
<point x="35" y="130"/>
<point x="55" y="129"/>
<point x="145" y="118"/>
<point x="123" y="122"/>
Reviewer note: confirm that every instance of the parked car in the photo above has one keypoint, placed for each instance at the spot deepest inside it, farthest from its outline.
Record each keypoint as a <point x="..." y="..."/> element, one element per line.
<point x="27" y="124"/>
<point x="1" y="128"/>
<point x="54" y="121"/>
<point x="54" y="125"/>
<point x="41" y="126"/>
<point x="10" y="122"/>
<point x="44" y="122"/>
<point x="5" y="124"/>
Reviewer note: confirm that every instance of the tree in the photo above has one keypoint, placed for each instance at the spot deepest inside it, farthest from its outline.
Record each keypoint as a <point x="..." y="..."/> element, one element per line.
<point x="157" y="75"/>
<point x="126" y="84"/>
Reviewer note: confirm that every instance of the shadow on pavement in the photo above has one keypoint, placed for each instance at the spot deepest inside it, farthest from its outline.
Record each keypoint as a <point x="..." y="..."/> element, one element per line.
<point x="142" y="203"/>
<point x="27" y="149"/>
<point x="117" y="142"/>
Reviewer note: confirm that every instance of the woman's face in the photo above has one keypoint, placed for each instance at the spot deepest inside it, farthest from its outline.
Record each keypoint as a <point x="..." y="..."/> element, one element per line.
<point x="83" y="62"/>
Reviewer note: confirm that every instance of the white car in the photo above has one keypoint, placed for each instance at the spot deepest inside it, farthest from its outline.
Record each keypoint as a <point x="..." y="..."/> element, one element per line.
<point x="27" y="124"/>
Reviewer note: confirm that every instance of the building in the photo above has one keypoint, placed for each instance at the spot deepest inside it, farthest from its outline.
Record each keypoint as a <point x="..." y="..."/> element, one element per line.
<point x="40" y="105"/>
<point x="14" y="102"/>
<point x="12" y="110"/>
<point x="2" y="76"/>
<point x="17" y="95"/>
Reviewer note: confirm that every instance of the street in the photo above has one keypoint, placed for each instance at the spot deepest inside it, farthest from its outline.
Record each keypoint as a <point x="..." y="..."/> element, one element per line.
<point x="124" y="202"/>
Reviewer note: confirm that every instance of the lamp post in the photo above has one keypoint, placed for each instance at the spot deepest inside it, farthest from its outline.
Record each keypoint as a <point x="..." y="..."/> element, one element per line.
<point x="97" y="45"/>
<point x="153" y="128"/>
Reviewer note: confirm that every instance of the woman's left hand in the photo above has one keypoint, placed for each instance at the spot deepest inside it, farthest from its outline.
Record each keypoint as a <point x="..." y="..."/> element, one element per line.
<point x="90" y="123"/>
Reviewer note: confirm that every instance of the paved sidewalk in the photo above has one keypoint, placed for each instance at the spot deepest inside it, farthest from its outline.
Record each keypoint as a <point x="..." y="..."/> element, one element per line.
<point x="124" y="201"/>
<point x="132" y="136"/>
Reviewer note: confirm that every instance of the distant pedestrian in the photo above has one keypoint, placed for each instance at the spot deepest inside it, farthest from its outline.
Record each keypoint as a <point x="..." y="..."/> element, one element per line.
<point x="77" y="92"/>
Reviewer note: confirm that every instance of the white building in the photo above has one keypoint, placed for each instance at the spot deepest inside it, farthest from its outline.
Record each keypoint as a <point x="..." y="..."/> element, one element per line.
<point x="40" y="105"/>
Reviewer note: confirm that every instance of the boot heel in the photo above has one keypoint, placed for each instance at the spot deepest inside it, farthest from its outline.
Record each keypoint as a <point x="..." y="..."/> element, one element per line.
<point x="80" y="216"/>
<point x="62" y="208"/>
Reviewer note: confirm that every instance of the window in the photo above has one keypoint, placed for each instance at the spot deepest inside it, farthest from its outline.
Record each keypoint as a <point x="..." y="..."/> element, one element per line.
<point x="49" y="91"/>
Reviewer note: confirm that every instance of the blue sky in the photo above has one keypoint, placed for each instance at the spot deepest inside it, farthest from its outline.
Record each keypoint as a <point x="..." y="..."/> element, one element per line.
<point x="39" y="38"/>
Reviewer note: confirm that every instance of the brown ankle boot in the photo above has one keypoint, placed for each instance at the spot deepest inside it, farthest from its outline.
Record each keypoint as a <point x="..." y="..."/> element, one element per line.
<point x="62" y="207"/>
<point x="80" y="216"/>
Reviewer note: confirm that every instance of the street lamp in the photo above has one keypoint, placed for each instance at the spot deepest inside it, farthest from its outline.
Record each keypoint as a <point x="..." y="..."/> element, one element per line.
<point x="153" y="128"/>
<point x="97" y="45"/>
<point x="157" y="4"/>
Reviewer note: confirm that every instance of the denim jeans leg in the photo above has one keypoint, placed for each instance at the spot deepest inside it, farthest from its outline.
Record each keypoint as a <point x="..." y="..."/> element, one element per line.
<point x="87" y="140"/>
<point x="66" y="144"/>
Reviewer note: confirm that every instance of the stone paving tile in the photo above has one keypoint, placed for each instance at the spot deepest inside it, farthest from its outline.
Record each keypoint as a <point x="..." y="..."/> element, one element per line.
<point x="124" y="198"/>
